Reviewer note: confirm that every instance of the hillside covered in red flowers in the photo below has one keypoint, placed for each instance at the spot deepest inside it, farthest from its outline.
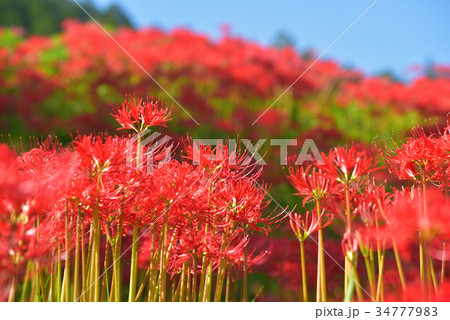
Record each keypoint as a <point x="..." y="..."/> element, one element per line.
<point x="67" y="82"/>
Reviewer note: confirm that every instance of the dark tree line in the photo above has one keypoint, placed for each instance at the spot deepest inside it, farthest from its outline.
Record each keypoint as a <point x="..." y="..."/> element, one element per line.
<point x="45" y="16"/>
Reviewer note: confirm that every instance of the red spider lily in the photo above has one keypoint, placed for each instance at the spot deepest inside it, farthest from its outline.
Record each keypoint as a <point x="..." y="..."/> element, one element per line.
<point x="243" y="202"/>
<point x="23" y="237"/>
<point x="373" y="203"/>
<point x="52" y="173"/>
<point x="99" y="154"/>
<point x="311" y="183"/>
<point x="305" y="225"/>
<point x="348" y="165"/>
<point x="139" y="115"/>
<point x="21" y="241"/>
<point x="177" y="180"/>
<point x="417" y="158"/>
<point x="442" y="160"/>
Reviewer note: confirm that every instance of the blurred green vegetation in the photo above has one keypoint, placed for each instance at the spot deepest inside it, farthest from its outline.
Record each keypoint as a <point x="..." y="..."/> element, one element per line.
<point x="44" y="17"/>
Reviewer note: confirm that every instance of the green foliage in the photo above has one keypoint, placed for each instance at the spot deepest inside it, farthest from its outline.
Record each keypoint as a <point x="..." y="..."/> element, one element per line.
<point x="45" y="16"/>
<point x="8" y="39"/>
<point x="365" y="123"/>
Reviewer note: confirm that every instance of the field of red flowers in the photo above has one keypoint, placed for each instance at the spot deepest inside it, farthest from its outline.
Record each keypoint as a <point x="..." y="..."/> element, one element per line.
<point x="91" y="213"/>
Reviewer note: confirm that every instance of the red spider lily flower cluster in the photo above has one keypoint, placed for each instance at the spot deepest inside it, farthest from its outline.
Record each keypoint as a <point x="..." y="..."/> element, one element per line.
<point x="348" y="165"/>
<point x="311" y="183"/>
<point x="305" y="225"/>
<point x="30" y="188"/>
<point x="376" y="219"/>
<point x="67" y="213"/>
<point x="73" y="218"/>
<point x="139" y="115"/>
<point x="423" y="158"/>
<point x="339" y="179"/>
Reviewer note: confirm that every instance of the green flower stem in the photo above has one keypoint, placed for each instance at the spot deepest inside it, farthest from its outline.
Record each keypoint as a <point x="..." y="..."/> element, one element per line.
<point x="52" y="280"/>
<point x="94" y="292"/>
<point x="351" y="277"/>
<point x="58" y="277"/>
<point x="76" y="271"/>
<point x="345" y="276"/>
<point x="116" y="256"/>
<point x="244" y="293"/>
<point x="97" y="261"/>
<point x="183" y="281"/>
<point x="26" y="281"/>
<point x="90" y="266"/>
<point x="188" y="281"/>
<point x="115" y="287"/>
<point x="374" y="276"/>
<point x="208" y="283"/>
<point x="83" y="263"/>
<point x="62" y="298"/>
<point x="424" y="270"/>
<point x="380" y="284"/>
<point x="203" y="272"/>
<point x="432" y="275"/>
<point x="176" y="291"/>
<point x="67" y="262"/>
<point x="370" y="274"/>
<point x="304" y="293"/>
<point x="105" y="294"/>
<point x="319" y="276"/>
<point x="42" y="284"/>
<point x="208" y="278"/>
<point x="155" y="297"/>
<point x="359" y="293"/>
<point x="221" y="270"/>
<point x="133" y="268"/>
<point x="142" y="286"/>
<point x="421" y="264"/>
<point x="399" y="265"/>
<point x="153" y="276"/>
<point x="349" y="264"/>
<point x="321" y="259"/>
<point x="227" y="288"/>
<point x="194" y="277"/>
<point x="163" y="273"/>
<point x="350" y="286"/>
<point x="12" y="289"/>
<point x="380" y="259"/>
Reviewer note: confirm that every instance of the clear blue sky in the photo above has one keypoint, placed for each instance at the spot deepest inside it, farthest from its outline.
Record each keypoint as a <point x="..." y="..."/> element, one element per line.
<point x="393" y="35"/>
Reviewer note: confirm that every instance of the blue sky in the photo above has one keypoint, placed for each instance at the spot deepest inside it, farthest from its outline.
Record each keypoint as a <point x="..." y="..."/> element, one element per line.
<point x="393" y="35"/>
